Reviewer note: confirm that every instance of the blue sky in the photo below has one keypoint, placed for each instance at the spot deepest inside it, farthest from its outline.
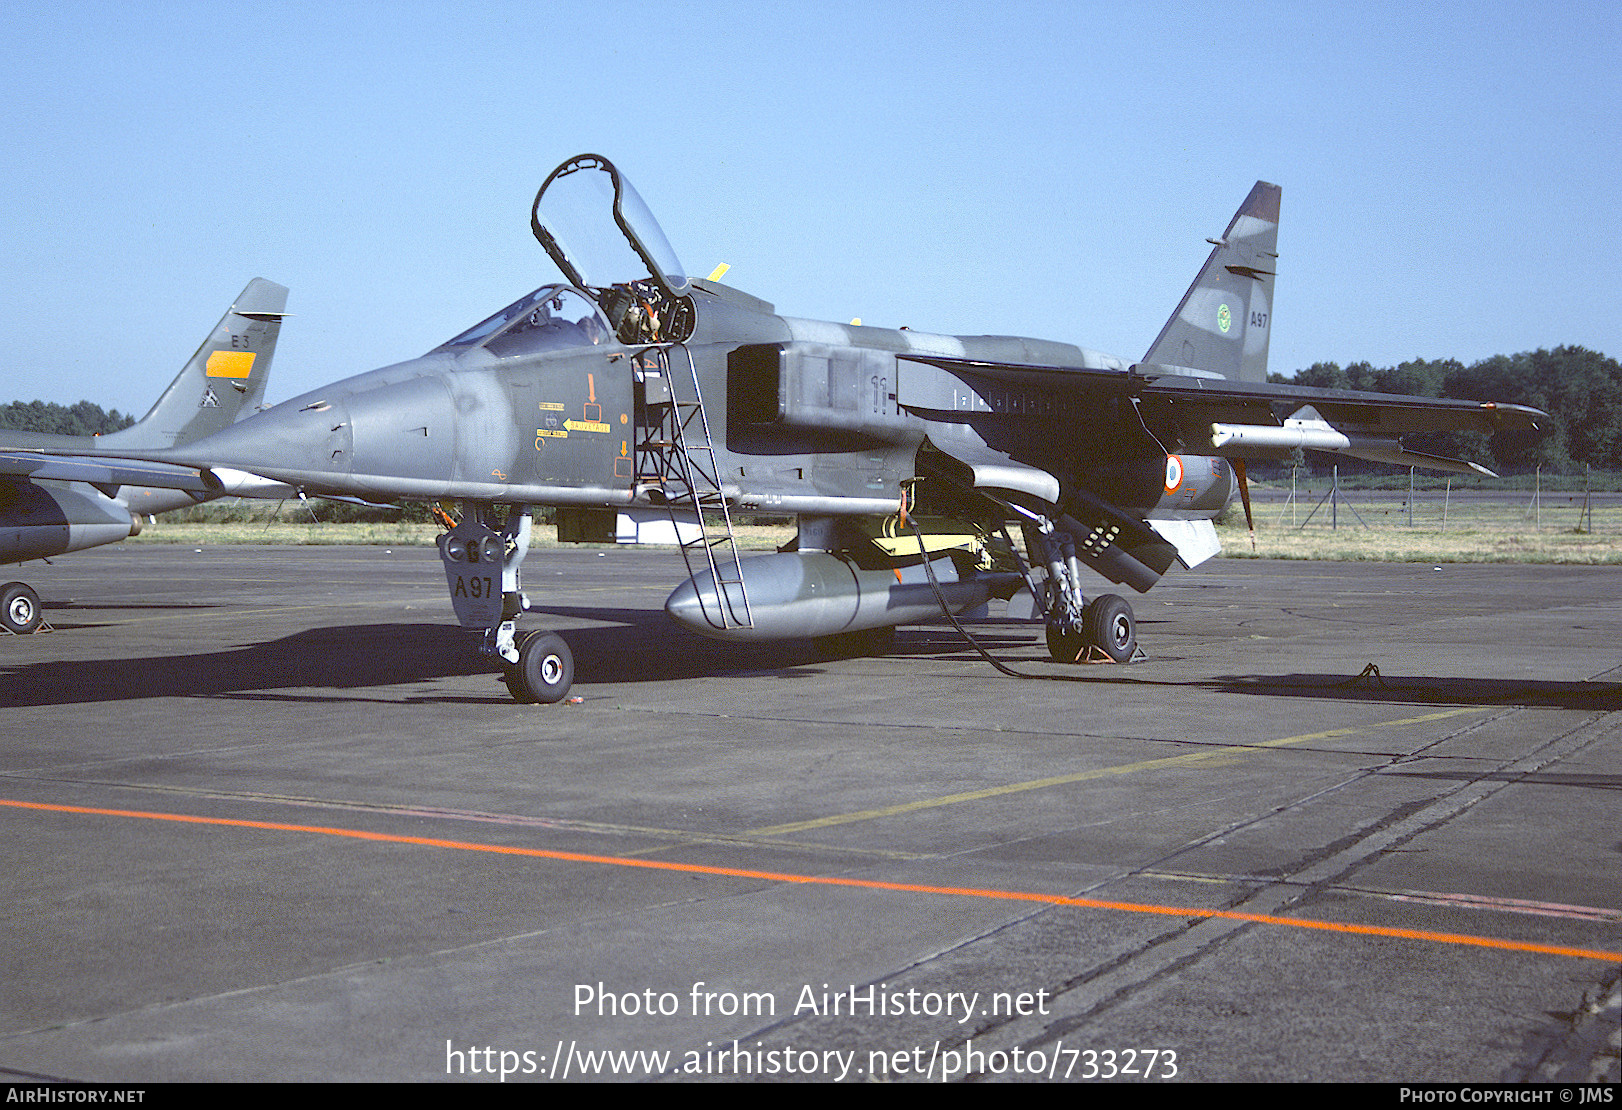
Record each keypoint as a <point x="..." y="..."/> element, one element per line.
<point x="1450" y="172"/>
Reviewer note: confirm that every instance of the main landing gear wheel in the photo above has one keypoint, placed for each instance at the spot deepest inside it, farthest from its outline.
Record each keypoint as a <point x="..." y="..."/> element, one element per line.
<point x="1106" y="626"/>
<point x="544" y="671"/>
<point x="19" y="608"/>
<point x="1109" y="625"/>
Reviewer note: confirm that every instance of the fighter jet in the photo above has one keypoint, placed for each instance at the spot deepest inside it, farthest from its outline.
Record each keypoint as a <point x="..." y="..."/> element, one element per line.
<point x="50" y="505"/>
<point x="643" y="403"/>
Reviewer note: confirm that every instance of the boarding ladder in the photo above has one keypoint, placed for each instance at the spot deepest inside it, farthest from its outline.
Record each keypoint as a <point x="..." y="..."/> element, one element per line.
<point x="675" y="462"/>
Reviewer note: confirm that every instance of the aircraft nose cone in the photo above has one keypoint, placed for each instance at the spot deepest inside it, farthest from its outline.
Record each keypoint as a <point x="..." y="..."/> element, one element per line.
<point x="294" y="444"/>
<point x="399" y="423"/>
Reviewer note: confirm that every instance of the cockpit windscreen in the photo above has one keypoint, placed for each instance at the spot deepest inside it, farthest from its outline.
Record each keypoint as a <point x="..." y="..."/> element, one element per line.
<point x="554" y="317"/>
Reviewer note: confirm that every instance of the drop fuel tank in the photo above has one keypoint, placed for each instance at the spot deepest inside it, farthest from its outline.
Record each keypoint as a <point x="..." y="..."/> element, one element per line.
<point x="801" y="595"/>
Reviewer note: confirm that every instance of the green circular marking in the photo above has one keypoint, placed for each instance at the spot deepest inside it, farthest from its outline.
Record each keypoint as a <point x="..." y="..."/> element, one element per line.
<point x="1224" y="319"/>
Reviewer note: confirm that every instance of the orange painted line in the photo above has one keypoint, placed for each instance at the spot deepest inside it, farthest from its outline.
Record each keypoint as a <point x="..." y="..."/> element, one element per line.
<point x="867" y="884"/>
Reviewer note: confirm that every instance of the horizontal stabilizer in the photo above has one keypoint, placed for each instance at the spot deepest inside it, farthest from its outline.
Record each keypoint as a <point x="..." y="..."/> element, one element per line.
<point x="109" y="473"/>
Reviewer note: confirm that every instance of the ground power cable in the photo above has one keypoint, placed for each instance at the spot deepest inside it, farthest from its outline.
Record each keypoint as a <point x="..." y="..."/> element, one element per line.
<point x="940" y="599"/>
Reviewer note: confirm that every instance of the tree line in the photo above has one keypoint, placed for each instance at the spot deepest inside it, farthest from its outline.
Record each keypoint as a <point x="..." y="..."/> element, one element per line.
<point x="1581" y="390"/>
<point x="82" y="419"/>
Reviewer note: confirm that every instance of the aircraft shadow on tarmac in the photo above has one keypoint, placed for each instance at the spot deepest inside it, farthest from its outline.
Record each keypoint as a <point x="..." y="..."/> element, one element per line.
<point x="1590" y="697"/>
<point x="353" y="658"/>
<point x="621" y="645"/>
<point x="344" y="657"/>
<point x="639" y="645"/>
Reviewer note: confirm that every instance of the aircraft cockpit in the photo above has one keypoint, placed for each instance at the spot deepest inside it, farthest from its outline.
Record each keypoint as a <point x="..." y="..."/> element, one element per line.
<point x="601" y="235"/>
<point x="553" y="318"/>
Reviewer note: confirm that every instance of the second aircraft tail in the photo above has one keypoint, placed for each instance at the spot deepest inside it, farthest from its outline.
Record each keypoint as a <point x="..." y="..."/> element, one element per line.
<point x="224" y="379"/>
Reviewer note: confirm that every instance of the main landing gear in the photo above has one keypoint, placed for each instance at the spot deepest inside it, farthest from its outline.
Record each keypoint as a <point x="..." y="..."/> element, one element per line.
<point x="1108" y="634"/>
<point x="1078" y="630"/>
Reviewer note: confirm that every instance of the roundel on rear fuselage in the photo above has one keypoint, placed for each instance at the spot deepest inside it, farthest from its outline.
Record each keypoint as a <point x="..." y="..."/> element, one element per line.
<point x="1174" y="473"/>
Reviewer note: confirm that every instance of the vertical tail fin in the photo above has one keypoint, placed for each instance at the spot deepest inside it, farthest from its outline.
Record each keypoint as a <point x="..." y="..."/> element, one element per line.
<point x="1222" y="324"/>
<point x="226" y="376"/>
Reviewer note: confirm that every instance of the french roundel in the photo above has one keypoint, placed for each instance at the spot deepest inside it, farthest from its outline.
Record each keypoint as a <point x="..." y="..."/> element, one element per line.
<point x="1174" y="473"/>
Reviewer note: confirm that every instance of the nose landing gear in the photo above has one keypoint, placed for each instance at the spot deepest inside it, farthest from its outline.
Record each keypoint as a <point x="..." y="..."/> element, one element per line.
<point x="482" y="555"/>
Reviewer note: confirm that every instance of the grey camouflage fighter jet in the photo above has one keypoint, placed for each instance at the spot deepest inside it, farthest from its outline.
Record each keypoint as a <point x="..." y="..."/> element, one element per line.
<point x="53" y="505"/>
<point x="644" y="404"/>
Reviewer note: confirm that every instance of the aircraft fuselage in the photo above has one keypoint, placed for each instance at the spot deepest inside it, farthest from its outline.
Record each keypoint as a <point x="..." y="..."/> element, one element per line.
<point x="810" y="417"/>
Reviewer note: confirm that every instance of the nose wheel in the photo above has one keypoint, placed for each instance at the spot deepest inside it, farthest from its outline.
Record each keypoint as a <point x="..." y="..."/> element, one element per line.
<point x="544" y="671"/>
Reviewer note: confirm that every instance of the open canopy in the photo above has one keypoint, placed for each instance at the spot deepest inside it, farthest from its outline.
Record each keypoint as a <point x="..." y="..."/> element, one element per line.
<point x="598" y="230"/>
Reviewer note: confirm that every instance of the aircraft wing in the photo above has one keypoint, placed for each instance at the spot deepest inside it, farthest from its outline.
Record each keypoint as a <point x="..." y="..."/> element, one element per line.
<point x="1393" y="413"/>
<point x="105" y="474"/>
<point x="1234" y="418"/>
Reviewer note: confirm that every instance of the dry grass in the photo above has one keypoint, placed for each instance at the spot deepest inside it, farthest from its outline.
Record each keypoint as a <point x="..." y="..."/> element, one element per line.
<point x="1473" y="531"/>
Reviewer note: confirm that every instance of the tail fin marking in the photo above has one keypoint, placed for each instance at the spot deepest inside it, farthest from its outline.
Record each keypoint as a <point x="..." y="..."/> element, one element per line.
<point x="230" y="364"/>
